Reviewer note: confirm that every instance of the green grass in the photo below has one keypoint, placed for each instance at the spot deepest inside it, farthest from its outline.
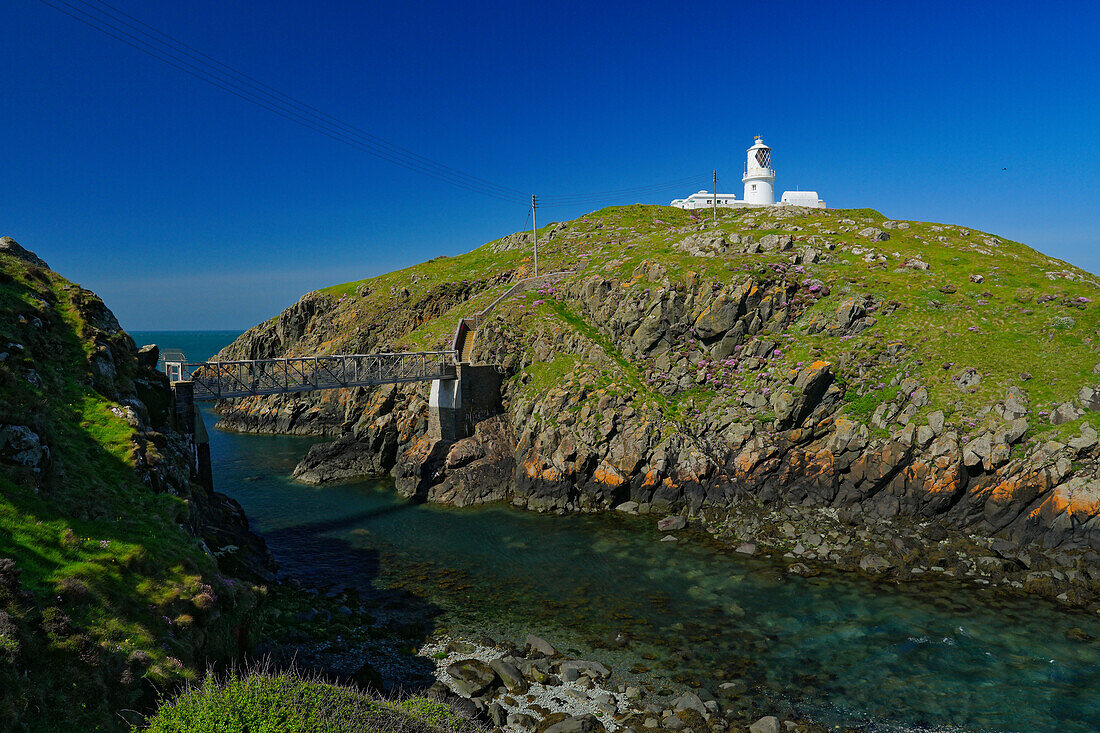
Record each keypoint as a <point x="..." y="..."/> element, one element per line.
<point x="272" y="702"/>
<point x="1012" y="327"/>
<point x="112" y="575"/>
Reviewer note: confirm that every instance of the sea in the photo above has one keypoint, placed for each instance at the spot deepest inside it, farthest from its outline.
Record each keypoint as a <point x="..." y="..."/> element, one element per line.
<point x="839" y="648"/>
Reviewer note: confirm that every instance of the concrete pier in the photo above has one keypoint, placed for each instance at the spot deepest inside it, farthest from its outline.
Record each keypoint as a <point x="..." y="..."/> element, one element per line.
<point x="188" y="422"/>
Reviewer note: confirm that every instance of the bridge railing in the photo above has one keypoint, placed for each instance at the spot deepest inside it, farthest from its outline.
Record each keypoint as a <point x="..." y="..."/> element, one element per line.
<point x="219" y="380"/>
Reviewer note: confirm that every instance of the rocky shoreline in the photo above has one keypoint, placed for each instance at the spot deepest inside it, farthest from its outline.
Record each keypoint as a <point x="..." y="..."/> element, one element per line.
<point x="810" y="539"/>
<point x="528" y="688"/>
<point x="535" y="688"/>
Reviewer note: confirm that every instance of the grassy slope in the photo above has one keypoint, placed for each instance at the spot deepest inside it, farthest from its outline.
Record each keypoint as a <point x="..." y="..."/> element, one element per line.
<point x="1013" y="323"/>
<point x="289" y="703"/>
<point x="113" y="576"/>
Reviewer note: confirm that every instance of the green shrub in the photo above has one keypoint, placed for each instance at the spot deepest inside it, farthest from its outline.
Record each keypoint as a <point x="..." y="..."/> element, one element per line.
<point x="287" y="702"/>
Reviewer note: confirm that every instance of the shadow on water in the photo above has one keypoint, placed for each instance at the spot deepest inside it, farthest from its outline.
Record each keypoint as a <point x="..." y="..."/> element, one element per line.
<point x="837" y="647"/>
<point x="316" y="535"/>
<point x="315" y="555"/>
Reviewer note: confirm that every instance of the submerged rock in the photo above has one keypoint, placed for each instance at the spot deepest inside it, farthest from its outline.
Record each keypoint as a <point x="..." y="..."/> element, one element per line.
<point x="768" y="724"/>
<point x="540" y="645"/>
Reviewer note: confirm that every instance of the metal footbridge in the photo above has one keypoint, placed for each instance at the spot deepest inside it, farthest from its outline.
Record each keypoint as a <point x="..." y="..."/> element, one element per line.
<point x="222" y="380"/>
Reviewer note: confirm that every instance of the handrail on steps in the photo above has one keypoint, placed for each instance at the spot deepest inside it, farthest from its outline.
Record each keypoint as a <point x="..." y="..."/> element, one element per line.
<point x="479" y="318"/>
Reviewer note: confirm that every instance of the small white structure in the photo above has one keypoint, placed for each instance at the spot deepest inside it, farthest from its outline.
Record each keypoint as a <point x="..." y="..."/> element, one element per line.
<point x="802" y="198"/>
<point x="759" y="180"/>
<point x="705" y="200"/>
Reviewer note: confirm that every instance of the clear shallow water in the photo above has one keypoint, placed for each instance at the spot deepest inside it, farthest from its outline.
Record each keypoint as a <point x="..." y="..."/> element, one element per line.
<point x="838" y="648"/>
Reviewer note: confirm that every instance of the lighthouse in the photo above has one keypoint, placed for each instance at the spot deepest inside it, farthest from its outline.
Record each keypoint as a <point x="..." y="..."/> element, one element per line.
<point x="759" y="178"/>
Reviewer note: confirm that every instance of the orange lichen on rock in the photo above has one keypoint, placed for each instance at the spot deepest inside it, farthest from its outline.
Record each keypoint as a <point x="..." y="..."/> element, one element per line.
<point x="1003" y="492"/>
<point x="1077" y="499"/>
<point x="534" y="469"/>
<point x="605" y="473"/>
<point x="947" y="481"/>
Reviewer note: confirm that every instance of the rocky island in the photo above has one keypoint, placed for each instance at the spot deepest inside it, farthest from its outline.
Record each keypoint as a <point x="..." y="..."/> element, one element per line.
<point x="891" y="396"/>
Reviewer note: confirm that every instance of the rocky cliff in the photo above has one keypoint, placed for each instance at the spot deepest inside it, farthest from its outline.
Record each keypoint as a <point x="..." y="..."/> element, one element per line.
<point x="119" y="575"/>
<point x="875" y="369"/>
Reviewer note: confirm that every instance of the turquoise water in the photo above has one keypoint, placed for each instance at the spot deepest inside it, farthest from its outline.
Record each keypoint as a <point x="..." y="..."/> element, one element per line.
<point x="834" y="647"/>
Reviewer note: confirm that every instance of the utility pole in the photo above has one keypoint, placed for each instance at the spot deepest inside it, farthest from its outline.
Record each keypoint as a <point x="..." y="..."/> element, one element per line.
<point x="716" y="195"/>
<point x="535" y="231"/>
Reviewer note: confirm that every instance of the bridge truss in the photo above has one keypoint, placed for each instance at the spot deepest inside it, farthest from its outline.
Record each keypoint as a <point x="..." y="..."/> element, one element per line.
<point x="221" y="380"/>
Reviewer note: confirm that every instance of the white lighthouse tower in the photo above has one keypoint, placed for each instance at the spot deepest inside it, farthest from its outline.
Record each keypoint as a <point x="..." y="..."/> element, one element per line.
<point x="759" y="178"/>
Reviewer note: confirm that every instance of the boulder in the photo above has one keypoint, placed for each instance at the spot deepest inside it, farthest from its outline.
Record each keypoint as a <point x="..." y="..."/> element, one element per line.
<point x="509" y="675"/>
<point x="978" y="451"/>
<point x="148" y="356"/>
<point x="671" y="524"/>
<point x="23" y="447"/>
<point x="848" y="311"/>
<point x="1085" y="440"/>
<point x="936" y="420"/>
<point x="976" y="278"/>
<point x="968" y="379"/>
<point x="1064" y="413"/>
<point x="561" y="723"/>
<point x="768" y="724"/>
<point x="472" y="677"/>
<point x="498" y="714"/>
<point x="522" y="721"/>
<point x="802" y="570"/>
<point x="779" y="242"/>
<point x="731" y="690"/>
<point x="1089" y="399"/>
<point x="690" y="701"/>
<point x="874" y="234"/>
<point x="746" y="548"/>
<point x="1016" y="403"/>
<point x="1016" y="430"/>
<point x="540" y="645"/>
<point x="595" y="670"/>
<point x="874" y="564"/>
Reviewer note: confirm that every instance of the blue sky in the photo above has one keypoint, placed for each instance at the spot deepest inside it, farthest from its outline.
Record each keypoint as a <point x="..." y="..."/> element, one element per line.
<point x="188" y="208"/>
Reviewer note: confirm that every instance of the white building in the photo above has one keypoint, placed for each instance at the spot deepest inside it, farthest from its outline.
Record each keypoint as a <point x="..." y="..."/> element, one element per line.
<point x="759" y="180"/>
<point x="802" y="198"/>
<point x="705" y="200"/>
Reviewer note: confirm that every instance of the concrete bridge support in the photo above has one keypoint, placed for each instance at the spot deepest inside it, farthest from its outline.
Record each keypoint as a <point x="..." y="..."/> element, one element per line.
<point x="455" y="406"/>
<point x="187" y="420"/>
<point x="445" y="409"/>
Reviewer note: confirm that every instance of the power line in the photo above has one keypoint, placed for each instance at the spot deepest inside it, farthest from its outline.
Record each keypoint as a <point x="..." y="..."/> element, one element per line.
<point x="133" y="32"/>
<point x="612" y="192"/>
<point x="577" y="199"/>
<point x="270" y="91"/>
<point x="311" y="122"/>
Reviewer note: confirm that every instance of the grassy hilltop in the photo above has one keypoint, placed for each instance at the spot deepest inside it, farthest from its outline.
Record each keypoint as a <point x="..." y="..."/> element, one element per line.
<point x="815" y="358"/>
<point x="949" y="298"/>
